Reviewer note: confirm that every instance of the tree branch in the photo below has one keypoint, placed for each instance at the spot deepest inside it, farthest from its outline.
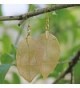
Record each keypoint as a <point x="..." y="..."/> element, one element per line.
<point x="37" y="12"/>
<point x="71" y="73"/>
<point x="73" y="63"/>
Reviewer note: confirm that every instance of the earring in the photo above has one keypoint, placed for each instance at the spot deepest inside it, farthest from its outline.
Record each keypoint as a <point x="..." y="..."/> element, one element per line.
<point x="28" y="56"/>
<point x="37" y="55"/>
<point x="51" y="52"/>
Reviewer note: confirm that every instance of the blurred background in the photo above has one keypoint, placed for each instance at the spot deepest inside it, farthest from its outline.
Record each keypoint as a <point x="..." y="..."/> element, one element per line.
<point x="64" y="24"/>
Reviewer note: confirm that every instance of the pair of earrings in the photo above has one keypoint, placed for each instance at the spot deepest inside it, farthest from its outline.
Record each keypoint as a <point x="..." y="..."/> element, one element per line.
<point x="37" y="55"/>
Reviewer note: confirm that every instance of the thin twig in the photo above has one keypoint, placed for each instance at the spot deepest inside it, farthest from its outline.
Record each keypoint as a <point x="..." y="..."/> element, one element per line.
<point x="22" y="21"/>
<point x="71" y="73"/>
<point x="37" y="12"/>
<point x="72" y="80"/>
<point x="73" y="61"/>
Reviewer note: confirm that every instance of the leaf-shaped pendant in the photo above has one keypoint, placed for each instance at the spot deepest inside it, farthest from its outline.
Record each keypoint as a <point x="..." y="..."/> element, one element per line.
<point x="38" y="55"/>
<point x="51" y="53"/>
<point x="28" y="57"/>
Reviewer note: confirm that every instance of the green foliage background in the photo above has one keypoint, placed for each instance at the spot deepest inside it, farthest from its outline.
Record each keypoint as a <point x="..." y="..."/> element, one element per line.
<point x="64" y="24"/>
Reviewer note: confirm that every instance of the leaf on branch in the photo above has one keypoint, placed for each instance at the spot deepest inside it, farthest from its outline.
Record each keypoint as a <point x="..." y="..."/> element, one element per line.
<point x="3" y="71"/>
<point x="6" y="59"/>
<point x="6" y="43"/>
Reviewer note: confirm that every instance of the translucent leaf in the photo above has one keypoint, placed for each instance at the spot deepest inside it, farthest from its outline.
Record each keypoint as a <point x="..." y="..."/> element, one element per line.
<point x="51" y="53"/>
<point x="28" y="58"/>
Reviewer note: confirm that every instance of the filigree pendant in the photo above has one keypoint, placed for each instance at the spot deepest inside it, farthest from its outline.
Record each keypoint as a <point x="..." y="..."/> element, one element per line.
<point x="37" y="55"/>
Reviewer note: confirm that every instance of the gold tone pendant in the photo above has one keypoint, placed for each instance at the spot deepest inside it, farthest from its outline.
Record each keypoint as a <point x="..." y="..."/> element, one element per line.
<point x="51" y="53"/>
<point x="28" y="58"/>
<point x="39" y="55"/>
